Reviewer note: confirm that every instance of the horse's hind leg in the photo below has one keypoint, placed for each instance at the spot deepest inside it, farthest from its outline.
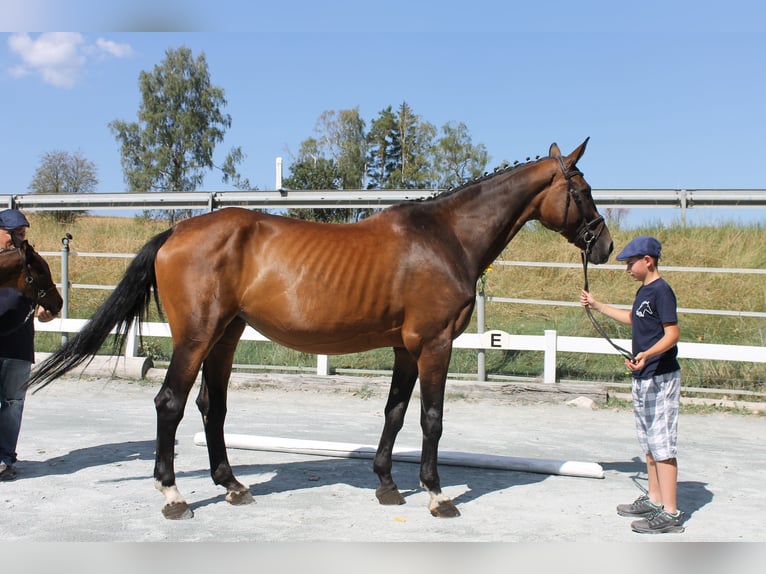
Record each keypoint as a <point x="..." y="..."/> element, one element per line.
<point x="216" y="371"/>
<point x="402" y="383"/>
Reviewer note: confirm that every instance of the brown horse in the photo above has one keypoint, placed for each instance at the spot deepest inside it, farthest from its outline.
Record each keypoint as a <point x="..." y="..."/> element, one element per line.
<point x="24" y="269"/>
<point x="403" y="278"/>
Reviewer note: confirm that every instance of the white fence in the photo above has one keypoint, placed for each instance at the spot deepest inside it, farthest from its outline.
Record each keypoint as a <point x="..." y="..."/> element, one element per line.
<point x="549" y="342"/>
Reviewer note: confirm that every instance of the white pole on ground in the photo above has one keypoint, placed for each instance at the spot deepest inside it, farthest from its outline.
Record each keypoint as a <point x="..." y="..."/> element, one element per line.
<point x="450" y="458"/>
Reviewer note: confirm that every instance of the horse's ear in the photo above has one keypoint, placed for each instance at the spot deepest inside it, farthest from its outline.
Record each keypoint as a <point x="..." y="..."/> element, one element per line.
<point x="554" y="151"/>
<point x="572" y="159"/>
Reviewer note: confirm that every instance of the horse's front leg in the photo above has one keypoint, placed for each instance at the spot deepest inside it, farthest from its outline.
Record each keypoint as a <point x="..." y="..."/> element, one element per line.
<point x="402" y="383"/>
<point x="211" y="402"/>
<point x="170" y="403"/>
<point x="433" y="365"/>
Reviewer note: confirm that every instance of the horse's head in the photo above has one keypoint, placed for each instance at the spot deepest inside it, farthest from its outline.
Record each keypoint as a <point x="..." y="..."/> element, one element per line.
<point x="26" y="270"/>
<point x="568" y="207"/>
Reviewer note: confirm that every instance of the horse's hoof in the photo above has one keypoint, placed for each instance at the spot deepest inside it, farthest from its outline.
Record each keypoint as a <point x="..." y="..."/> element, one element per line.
<point x="445" y="509"/>
<point x="239" y="498"/>
<point x="390" y="497"/>
<point x="177" y="511"/>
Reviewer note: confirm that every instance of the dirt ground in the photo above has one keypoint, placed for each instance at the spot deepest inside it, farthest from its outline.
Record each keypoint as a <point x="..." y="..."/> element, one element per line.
<point x="87" y="454"/>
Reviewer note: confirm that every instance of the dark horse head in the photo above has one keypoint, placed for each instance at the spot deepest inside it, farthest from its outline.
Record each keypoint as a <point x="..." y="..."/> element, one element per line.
<point x="569" y="208"/>
<point x="24" y="269"/>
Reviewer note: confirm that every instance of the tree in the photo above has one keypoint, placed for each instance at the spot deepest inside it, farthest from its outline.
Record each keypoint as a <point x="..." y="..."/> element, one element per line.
<point x="399" y="150"/>
<point x="384" y="149"/>
<point x="62" y="172"/>
<point x="342" y="139"/>
<point x="456" y="159"/>
<point x="335" y="159"/>
<point x="180" y="122"/>
<point x="311" y="171"/>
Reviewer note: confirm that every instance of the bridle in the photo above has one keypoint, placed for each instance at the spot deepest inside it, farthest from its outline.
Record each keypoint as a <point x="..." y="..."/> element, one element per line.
<point x="588" y="232"/>
<point x="30" y="281"/>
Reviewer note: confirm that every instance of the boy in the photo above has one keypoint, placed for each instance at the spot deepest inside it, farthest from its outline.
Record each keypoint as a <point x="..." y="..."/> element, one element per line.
<point x="656" y="387"/>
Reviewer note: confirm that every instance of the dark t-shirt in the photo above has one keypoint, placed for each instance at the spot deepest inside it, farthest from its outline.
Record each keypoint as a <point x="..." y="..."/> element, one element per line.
<point x="654" y="306"/>
<point x="17" y="327"/>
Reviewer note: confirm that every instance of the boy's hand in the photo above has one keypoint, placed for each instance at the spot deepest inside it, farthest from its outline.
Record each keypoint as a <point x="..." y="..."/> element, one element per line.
<point x="638" y="362"/>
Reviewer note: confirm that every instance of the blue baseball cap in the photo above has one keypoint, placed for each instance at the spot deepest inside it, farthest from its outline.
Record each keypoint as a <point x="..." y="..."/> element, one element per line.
<point x="12" y="218"/>
<point x="640" y="246"/>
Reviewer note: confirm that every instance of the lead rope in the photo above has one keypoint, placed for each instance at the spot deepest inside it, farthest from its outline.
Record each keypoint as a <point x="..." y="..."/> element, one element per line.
<point x="624" y="352"/>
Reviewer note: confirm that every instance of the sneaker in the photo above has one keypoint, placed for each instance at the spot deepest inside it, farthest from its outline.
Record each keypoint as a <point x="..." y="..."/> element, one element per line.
<point x="662" y="521"/>
<point x="7" y="472"/>
<point x="641" y="507"/>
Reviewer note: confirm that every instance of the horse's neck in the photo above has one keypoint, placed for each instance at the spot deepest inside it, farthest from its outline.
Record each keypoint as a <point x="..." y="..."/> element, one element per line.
<point x="489" y="213"/>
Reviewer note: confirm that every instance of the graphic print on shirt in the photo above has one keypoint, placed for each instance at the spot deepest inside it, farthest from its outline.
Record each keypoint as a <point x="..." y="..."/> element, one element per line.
<point x="644" y="309"/>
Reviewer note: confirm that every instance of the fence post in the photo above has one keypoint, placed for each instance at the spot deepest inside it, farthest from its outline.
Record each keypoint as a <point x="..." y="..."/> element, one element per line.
<point x="130" y="340"/>
<point x="65" y="281"/>
<point x="549" y="362"/>
<point x="481" y="365"/>
<point x="323" y="365"/>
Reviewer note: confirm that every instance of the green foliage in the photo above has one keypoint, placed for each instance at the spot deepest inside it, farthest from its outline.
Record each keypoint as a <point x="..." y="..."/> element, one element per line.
<point x="456" y="158"/>
<point x="400" y="151"/>
<point x="180" y="122"/>
<point x="64" y="172"/>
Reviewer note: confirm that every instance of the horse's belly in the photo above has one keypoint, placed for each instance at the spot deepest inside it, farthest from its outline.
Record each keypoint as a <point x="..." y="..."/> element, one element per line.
<point x="329" y="339"/>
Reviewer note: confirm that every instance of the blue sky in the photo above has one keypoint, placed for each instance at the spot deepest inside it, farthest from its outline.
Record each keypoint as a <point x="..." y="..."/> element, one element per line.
<point x="672" y="94"/>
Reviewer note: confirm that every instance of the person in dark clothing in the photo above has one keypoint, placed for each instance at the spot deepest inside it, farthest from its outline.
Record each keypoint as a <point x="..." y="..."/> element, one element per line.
<point x="17" y="352"/>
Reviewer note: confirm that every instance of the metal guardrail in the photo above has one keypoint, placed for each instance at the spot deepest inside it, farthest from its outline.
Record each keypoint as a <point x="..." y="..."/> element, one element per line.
<point x="317" y="199"/>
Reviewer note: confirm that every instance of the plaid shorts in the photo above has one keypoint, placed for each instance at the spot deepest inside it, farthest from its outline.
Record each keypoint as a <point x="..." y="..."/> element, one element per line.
<point x="655" y="407"/>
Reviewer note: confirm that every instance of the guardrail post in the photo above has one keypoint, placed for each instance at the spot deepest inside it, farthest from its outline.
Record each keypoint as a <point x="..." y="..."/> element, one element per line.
<point x="549" y="363"/>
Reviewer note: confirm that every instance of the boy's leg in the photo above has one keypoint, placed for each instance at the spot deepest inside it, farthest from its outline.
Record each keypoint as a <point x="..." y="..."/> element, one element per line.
<point x="655" y="492"/>
<point x="667" y="475"/>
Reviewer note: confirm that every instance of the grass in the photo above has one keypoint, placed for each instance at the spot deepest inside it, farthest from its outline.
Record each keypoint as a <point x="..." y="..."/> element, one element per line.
<point x="712" y="246"/>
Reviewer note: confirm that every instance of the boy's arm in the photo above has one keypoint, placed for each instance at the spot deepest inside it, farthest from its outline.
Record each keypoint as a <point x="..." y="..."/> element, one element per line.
<point x="620" y="315"/>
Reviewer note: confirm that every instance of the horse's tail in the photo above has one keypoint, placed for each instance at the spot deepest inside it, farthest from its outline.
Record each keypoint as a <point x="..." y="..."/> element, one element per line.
<point x="131" y="299"/>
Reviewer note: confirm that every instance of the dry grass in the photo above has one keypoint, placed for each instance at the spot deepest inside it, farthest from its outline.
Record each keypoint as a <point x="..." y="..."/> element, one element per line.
<point x="723" y="246"/>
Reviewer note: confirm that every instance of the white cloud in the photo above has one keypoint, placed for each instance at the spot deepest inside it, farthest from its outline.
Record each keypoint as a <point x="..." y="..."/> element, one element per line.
<point x="59" y="58"/>
<point x="113" y="48"/>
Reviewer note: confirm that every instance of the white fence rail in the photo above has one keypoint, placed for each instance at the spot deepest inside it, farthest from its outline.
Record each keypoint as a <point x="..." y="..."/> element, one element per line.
<point x="549" y="343"/>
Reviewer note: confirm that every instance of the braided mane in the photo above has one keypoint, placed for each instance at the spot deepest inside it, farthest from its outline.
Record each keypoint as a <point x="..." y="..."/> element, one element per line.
<point x="487" y="175"/>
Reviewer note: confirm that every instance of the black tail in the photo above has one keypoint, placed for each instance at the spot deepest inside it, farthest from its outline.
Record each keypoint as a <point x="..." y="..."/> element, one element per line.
<point x="129" y="300"/>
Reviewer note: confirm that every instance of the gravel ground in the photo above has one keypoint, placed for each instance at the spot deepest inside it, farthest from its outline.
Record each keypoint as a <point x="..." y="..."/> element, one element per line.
<point x="87" y="453"/>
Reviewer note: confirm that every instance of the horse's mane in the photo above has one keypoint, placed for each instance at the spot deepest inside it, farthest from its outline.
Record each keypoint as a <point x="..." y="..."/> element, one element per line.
<point x="500" y="170"/>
